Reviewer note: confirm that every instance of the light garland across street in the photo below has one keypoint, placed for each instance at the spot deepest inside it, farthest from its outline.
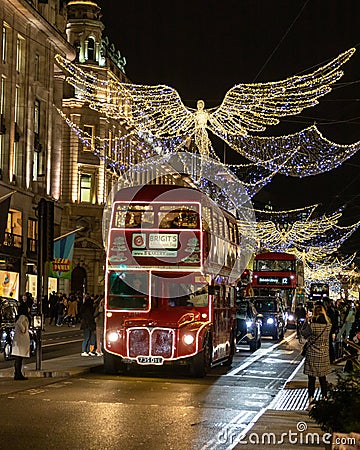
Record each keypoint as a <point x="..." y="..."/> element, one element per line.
<point x="158" y="111"/>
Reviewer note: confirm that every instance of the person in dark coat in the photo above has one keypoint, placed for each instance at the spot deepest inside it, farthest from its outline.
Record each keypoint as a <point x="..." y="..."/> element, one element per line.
<point x="317" y="359"/>
<point x="99" y="321"/>
<point x="88" y="327"/>
<point x="24" y="307"/>
<point x="52" y="307"/>
<point x="333" y="315"/>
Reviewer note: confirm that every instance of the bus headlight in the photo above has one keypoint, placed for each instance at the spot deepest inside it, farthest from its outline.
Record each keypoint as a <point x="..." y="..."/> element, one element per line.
<point x="188" y="339"/>
<point x="270" y="321"/>
<point x="113" y="336"/>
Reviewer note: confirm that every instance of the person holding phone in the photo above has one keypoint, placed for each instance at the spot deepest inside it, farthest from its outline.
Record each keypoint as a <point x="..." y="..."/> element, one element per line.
<point x="316" y="330"/>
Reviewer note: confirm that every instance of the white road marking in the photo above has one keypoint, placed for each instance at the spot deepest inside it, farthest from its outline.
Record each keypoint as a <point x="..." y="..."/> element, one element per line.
<point x="259" y="354"/>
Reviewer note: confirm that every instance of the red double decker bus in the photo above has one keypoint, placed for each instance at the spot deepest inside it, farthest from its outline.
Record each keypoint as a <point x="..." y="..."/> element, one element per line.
<point x="278" y="273"/>
<point x="171" y="274"/>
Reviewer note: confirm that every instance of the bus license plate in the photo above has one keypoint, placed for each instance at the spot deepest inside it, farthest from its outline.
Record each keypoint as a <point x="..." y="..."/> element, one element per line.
<point x="150" y="360"/>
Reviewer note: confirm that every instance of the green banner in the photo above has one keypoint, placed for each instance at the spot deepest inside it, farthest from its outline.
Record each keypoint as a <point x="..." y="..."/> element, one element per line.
<point x="61" y="266"/>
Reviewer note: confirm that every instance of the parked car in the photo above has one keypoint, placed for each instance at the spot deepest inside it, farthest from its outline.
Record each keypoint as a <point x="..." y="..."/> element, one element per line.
<point x="248" y="325"/>
<point x="273" y="322"/>
<point x="8" y="313"/>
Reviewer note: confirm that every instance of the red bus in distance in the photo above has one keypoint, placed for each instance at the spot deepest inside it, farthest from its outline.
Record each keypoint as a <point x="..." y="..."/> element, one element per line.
<point x="171" y="274"/>
<point x="278" y="273"/>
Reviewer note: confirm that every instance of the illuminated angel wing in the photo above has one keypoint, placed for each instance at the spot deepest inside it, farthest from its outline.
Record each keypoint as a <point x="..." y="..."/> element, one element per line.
<point x="252" y="107"/>
<point x="158" y="109"/>
<point x="153" y="109"/>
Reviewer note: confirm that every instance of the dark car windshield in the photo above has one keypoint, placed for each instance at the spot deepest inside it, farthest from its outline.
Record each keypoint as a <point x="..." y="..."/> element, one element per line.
<point x="8" y="311"/>
<point x="264" y="306"/>
<point x="242" y="311"/>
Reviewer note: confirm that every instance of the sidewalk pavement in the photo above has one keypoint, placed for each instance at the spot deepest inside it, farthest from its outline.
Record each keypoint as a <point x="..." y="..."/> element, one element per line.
<point x="62" y="367"/>
<point x="284" y="424"/>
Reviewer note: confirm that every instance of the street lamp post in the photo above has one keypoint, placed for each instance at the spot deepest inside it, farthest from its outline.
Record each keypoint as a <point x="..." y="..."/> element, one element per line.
<point x="45" y="212"/>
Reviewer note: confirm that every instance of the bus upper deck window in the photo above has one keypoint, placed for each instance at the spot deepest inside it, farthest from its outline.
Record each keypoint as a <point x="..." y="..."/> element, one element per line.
<point x="179" y="220"/>
<point x="139" y="219"/>
<point x="133" y="219"/>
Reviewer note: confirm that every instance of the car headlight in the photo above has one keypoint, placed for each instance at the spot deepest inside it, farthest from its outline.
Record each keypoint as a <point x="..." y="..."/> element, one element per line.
<point x="270" y="321"/>
<point x="249" y="323"/>
<point x="113" y="336"/>
<point x="188" y="339"/>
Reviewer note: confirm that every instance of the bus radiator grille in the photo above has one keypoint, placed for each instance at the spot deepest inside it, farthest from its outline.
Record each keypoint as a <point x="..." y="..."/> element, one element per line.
<point x="154" y="342"/>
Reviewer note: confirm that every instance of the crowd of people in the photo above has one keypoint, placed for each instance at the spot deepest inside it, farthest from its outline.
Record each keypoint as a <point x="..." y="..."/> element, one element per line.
<point x="343" y="315"/>
<point x="325" y="328"/>
<point x="87" y="310"/>
<point x="60" y="309"/>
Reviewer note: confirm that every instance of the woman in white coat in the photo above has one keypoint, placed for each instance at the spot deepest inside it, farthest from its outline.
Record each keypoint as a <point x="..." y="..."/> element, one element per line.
<point x="21" y="345"/>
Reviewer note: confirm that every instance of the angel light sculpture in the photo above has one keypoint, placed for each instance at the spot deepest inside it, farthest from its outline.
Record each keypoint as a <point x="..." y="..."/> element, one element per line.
<point x="246" y="108"/>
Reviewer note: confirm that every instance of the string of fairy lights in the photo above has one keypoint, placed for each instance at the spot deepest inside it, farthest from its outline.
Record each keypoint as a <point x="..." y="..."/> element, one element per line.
<point x="313" y="241"/>
<point x="157" y="115"/>
<point x="159" y="111"/>
<point x="314" y="153"/>
<point x="333" y="270"/>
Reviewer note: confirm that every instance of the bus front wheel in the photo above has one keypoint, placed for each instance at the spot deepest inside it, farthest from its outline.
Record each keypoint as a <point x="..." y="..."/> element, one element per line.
<point x="111" y="363"/>
<point x="201" y="362"/>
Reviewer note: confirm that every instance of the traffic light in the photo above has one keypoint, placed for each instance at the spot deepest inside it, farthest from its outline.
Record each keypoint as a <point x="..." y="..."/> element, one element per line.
<point x="46" y="228"/>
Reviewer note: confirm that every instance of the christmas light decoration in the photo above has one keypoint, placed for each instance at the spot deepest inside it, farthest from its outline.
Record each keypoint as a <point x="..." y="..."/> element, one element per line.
<point x="330" y="270"/>
<point x="312" y="152"/>
<point x="278" y="236"/>
<point x="290" y="215"/>
<point x="314" y="241"/>
<point x="159" y="111"/>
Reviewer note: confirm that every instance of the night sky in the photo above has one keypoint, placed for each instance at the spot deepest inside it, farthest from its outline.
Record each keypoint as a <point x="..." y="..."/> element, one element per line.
<point x="203" y="47"/>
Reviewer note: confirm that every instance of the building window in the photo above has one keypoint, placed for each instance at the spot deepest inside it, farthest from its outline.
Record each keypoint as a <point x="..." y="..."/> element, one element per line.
<point x="77" y="46"/>
<point x="37" y="117"/>
<point x="91" y="49"/>
<point x="13" y="232"/>
<point x="19" y="53"/>
<point x="4" y="44"/>
<point x="2" y="118"/>
<point x="37" y="67"/>
<point x="32" y="232"/>
<point x="39" y="160"/>
<point x="85" y="188"/>
<point x="16" y="136"/>
<point x="89" y="138"/>
<point x="110" y="143"/>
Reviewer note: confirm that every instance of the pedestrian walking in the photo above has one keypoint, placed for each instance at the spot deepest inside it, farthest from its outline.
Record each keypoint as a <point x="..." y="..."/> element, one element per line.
<point x="60" y="311"/>
<point x="88" y="327"/>
<point x="333" y="315"/>
<point x="72" y="311"/>
<point x="349" y="319"/>
<point x="317" y="359"/>
<point x="21" y="339"/>
<point x="53" y="299"/>
<point x="99" y="321"/>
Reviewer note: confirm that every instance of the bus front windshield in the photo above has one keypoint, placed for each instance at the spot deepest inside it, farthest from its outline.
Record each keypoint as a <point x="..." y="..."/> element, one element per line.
<point x="186" y="290"/>
<point x="266" y="265"/>
<point x="128" y="290"/>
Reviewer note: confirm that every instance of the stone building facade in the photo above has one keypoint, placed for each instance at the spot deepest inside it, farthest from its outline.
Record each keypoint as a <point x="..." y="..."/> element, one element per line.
<point x="32" y="33"/>
<point x="52" y="145"/>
